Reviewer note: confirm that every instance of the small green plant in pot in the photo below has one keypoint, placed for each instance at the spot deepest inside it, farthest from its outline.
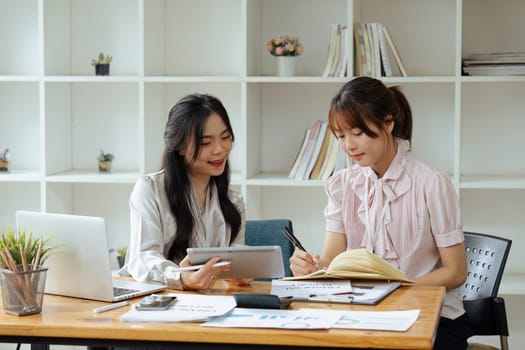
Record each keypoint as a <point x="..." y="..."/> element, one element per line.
<point x="4" y="161"/>
<point x="104" y="161"/>
<point x="23" y="276"/>
<point x="121" y="257"/>
<point x="101" y="64"/>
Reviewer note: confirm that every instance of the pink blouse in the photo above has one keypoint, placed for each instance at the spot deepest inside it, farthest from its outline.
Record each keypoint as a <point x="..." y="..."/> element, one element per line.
<point x="403" y="217"/>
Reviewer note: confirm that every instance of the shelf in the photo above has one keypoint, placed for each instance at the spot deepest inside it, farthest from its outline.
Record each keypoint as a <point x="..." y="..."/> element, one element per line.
<point x="93" y="176"/>
<point x="16" y="175"/>
<point x="281" y="179"/>
<point x="492" y="182"/>
<point x="512" y="284"/>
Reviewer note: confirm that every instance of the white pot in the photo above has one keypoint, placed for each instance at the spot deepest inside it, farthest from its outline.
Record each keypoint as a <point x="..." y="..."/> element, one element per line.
<point x="286" y="66"/>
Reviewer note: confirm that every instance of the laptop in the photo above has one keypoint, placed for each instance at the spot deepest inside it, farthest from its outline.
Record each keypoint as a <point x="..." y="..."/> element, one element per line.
<point x="80" y="267"/>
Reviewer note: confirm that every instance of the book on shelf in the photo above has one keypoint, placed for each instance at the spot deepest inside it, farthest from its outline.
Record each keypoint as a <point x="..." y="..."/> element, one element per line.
<point x="335" y="61"/>
<point x="337" y="56"/>
<point x="358" y="50"/>
<point x="495" y="58"/>
<point x="332" y="43"/>
<point x="394" y="51"/>
<point x="495" y="70"/>
<point x="320" y="160"/>
<point x="319" y="155"/>
<point x="501" y="63"/>
<point x="367" y="51"/>
<point x="357" y="264"/>
<point x="316" y="150"/>
<point x="330" y="159"/>
<point x="343" y="53"/>
<point x="308" y="151"/>
<point x="385" y="59"/>
<point x="295" y="165"/>
<point x="376" y="51"/>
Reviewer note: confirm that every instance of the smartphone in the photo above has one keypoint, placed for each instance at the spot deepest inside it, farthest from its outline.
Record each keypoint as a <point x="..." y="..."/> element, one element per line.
<point x="156" y="302"/>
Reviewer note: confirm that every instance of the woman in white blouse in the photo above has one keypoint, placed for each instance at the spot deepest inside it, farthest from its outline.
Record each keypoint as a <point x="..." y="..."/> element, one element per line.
<point x="189" y="202"/>
<point x="391" y="203"/>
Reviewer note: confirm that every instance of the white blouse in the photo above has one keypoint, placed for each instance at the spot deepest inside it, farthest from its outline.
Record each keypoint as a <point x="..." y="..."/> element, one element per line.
<point x="153" y="228"/>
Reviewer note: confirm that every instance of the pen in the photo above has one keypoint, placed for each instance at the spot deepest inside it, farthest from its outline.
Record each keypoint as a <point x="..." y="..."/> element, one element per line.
<point x="110" y="307"/>
<point x="196" y="267"/>
<point x="293" y="239"/>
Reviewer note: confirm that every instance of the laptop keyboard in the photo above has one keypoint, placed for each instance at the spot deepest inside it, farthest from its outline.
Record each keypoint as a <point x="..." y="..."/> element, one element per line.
<point x="118" y="291"/>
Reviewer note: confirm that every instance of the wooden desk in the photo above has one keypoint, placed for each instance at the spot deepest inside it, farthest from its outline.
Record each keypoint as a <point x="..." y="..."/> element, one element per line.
<point x="71" y="321"/>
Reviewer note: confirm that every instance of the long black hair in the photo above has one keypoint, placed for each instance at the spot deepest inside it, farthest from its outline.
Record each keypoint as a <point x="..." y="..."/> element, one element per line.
<point x="185" y="124"/>
<point x="367" y="99"/>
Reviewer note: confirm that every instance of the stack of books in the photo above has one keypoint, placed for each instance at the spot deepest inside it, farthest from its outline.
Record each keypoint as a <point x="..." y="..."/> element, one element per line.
<point x="337" y="57"/>
<point x="375" y="51"/>
<point x="504" y="63"/>
<point x="319" y="155"/>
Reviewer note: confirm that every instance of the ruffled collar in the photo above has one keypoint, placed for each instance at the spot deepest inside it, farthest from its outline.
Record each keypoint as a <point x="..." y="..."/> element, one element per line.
<point x="376" y="195"/>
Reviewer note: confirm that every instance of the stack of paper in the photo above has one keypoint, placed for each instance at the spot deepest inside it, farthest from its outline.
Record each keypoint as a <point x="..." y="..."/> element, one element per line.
<point x="187" y="308"/>
<point x="335" y="291"/>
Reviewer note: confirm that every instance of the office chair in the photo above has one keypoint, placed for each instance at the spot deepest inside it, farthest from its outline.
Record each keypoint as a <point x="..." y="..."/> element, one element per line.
<point x="269" y="232"/>
<point x="486" y="258"/>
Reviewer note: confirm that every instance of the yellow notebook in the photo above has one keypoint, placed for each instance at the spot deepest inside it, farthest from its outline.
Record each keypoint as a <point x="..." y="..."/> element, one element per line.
<point x="357" y="264"/>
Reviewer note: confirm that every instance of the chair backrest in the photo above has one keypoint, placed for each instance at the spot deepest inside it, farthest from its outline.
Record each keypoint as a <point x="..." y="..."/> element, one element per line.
<point x="269" y="232"/>
<point x="486" y="258"/>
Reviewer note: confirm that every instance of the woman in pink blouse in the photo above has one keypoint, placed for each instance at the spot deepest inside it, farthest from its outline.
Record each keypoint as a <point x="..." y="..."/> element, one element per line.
<point x="392" y="203"/>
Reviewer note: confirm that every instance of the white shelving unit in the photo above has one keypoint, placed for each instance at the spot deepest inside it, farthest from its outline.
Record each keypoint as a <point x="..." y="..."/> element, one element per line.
<point x="56" y="115"/>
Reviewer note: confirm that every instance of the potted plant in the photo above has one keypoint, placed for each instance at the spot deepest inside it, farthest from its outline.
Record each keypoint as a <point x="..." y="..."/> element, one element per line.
<point x="101" y="64"/>
<point x="23" y="276"/>
<point x="4" y="162"/>
<point x="104" y="161"/>
<point x="121" y="257"/>
<point x="285" y="48"/>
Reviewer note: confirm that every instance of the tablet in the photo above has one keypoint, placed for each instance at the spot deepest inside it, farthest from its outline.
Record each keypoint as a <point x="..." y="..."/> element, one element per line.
<point x="247" y="261"/>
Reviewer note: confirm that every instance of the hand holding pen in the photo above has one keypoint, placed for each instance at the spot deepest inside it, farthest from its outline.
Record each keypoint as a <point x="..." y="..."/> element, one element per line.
<point x="301" y="262"/>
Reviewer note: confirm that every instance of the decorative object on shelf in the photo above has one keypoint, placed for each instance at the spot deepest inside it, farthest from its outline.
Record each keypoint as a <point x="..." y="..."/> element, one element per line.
<point x="285" y="48"/>
<point x="4" y="162"/>
<point x="286" y="66"/>
<point x="101" y="64"/>
<point x="104" y="161"/>
<point x="121" y="257"/>
<point x="23" y="276"/>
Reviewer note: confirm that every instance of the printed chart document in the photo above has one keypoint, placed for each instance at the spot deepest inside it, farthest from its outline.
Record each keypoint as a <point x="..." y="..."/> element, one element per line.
<point x="378" y="320"/>
<point x="266" y="318"/>
<point x="357" y="264"/>
<point x="187" y="308"/>
<point x="399" y="321"/>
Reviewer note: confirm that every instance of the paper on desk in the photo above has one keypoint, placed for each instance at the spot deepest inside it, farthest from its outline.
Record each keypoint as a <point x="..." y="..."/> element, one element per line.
<point x="304" y="289"/>
<point x="272" y="318"/>
<point x="378" y="320"/>
<point x="317" y="319"/>
<point x="187" y="308"/>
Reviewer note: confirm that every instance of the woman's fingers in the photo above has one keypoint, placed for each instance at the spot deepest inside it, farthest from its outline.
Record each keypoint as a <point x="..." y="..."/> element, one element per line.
<point x="303" y="263"/>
